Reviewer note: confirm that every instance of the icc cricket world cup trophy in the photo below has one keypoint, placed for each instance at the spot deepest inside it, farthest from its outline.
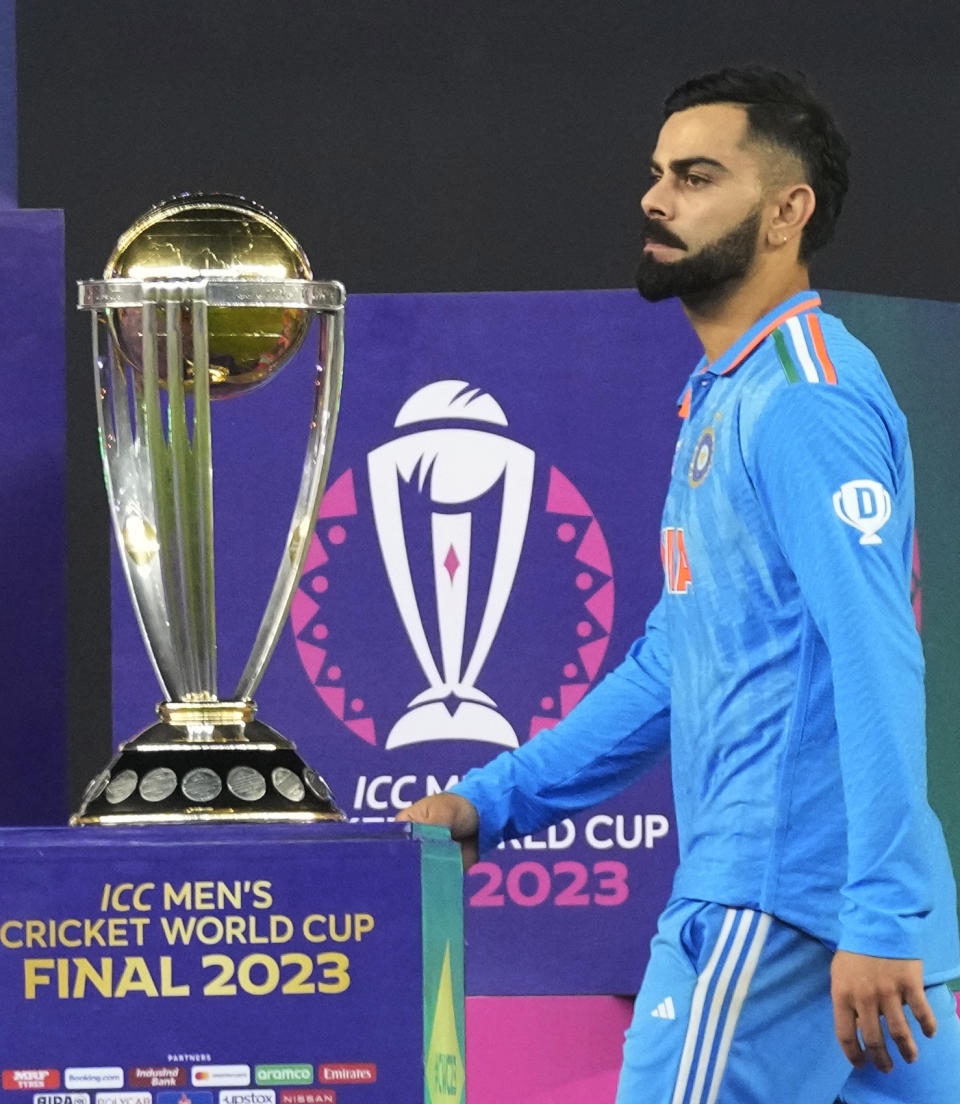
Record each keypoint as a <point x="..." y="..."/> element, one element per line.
<point x="205" y="297"/>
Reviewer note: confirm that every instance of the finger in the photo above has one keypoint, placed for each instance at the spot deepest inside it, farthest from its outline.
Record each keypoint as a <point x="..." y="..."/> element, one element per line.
<point x="920" y="1007"/>
<point x="427" y="811"/>
<point x="845" y="1027"/>
<point x="899" y="1030"/>
<point x="874" y="1041"/>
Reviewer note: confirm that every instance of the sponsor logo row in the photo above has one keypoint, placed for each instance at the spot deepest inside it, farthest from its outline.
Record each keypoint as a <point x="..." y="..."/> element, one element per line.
<point x="226" y="1096"/>
<point x="238" y="1076"/>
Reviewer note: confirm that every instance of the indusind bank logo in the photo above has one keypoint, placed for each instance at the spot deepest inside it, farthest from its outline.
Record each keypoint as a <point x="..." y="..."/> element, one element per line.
<point x="458" y="585"/>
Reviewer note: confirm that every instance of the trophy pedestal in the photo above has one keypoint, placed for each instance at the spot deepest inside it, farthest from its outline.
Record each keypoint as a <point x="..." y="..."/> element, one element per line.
<point x="211" y="763"/>
<point x="239" y="964"/>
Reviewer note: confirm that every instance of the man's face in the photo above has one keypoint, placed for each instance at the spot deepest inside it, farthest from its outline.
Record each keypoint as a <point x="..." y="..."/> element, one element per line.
<point x="703" y="210"/>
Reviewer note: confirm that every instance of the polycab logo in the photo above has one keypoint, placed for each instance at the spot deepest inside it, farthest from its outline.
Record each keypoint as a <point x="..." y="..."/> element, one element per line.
<point x="31" y="1079"/>
<point x="157" y="1077"/>
<point x="124" y="1098"/>
<point x="61" y="1098"/>
<point x="93" y="1077"/>
<point x="309" y="1096"/>
<point x="228" y="1077"/>
<point x="347" y="1073"/>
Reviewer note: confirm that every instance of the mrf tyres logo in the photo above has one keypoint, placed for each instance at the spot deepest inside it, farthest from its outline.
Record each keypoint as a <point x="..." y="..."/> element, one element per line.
<point x="459" y="549"/>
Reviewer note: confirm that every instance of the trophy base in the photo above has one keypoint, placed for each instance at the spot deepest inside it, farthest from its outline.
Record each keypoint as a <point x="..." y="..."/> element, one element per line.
<point x="179" y="772"/>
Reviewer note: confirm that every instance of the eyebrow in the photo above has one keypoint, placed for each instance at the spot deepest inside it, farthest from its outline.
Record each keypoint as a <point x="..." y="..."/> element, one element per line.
<point x="685" y="164"/>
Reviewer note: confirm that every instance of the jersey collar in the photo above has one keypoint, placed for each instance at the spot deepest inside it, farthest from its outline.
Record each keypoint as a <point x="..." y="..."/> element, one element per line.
<point x="738" y="352"/>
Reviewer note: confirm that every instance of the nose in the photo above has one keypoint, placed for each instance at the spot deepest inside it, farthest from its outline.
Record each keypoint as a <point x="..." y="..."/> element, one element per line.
<point x="654" y="203"/>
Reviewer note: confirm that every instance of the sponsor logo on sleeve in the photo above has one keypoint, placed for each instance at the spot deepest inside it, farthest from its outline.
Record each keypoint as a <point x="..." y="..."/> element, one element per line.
<point x="308" y="1096"/>
<point x="864" y="504"/>
<point x="93" y="1077"/>
<point x="124" y="1098"/>
<point x="61" y="1098"/>
<point x="347" y="1073"/>
<point x="185" y="1098"/>
<point x="31" y="1079"/>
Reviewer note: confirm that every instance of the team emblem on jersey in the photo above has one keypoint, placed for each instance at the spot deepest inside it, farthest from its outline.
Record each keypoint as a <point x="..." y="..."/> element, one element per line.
<point x="702" y="457"/>
<point x="864" y="504"/>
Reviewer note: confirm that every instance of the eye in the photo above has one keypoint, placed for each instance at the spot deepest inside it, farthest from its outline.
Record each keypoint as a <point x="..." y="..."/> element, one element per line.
<point x="695" y="180"/>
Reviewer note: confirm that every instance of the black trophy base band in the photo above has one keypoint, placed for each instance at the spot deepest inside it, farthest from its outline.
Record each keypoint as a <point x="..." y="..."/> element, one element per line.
<point x="245" y="773"/>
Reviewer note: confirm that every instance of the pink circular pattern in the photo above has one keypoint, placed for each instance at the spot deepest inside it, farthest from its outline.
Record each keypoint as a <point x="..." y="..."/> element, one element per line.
<point x="337" y="534"/>
<point x="584" y="628"/>
<point x="566" y="532"/>
<point x="570" y="670"/>
<point x="320" y="632"/>
<point x="546" y="703"/>
<point x="333" y="673"/>
<point x="320" y="583"/>
<point x="357" y="705"/>
<point x="584" y="580"/>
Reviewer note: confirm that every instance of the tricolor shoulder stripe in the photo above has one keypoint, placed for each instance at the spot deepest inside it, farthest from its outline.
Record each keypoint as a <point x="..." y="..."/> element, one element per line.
<point x="775" y="324"/>
<point x="802" y="352"/>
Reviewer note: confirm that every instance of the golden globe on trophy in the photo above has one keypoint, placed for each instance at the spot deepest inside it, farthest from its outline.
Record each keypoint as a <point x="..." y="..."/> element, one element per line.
<point x="205" y="297"/>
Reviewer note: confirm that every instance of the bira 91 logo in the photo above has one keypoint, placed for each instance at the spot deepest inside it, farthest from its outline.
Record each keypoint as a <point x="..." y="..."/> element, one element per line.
<point x="478" y="570"/>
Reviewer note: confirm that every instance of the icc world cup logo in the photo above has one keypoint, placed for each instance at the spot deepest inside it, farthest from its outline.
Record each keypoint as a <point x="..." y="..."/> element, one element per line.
<point x="491" y="565"/>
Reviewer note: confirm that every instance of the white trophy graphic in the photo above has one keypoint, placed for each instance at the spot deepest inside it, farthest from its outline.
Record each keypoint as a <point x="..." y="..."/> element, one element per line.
<point x="450" y="468"/>
<point x="864" y="504"/>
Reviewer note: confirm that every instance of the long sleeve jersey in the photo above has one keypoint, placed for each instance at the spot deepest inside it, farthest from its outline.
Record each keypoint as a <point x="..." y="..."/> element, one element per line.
<point x="781" y="668"/>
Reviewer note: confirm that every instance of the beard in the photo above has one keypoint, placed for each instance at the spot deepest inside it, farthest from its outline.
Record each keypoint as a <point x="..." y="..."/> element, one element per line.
<point x="705" y="275"/>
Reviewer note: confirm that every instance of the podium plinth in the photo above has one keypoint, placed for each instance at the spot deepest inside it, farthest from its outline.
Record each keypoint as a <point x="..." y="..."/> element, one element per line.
<point x="231" y="965"/>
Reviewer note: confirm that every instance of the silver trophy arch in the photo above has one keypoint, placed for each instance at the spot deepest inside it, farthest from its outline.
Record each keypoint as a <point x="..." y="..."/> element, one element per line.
<point x="207" y="758"/>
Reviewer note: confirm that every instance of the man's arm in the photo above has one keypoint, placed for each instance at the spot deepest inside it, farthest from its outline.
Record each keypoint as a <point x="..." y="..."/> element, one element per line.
<point x="612" y="736"/>
<point x="823" y="459"/>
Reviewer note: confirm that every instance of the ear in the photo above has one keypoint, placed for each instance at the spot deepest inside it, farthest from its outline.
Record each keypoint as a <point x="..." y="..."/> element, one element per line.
<point x="791" y="210"/>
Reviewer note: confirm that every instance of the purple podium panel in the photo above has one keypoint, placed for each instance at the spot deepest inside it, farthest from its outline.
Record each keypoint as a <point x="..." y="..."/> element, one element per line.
<point x="33" y="545"/>
<point x="487" y="547"/>
<point x="233" y="965"/>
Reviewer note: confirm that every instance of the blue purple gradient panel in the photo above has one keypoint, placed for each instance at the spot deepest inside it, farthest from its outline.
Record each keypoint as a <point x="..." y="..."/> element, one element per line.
<point x="32" y="551"/>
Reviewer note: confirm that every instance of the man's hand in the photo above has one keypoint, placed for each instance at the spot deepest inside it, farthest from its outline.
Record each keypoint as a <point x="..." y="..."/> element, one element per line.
<point x="449" y="810"/>
<point x="865" y="988"/>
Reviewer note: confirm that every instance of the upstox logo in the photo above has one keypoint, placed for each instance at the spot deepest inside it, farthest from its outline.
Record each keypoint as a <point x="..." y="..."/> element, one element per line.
<point x="248" y="1096"/>
<point x="288" y="1074"/>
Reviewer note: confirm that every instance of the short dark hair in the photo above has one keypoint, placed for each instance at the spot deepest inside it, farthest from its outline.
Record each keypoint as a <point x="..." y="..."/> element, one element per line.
<point x="782" y="111"/>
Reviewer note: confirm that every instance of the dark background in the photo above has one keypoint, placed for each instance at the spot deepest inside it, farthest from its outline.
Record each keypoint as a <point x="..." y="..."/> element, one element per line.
<point x="442" y="146"/>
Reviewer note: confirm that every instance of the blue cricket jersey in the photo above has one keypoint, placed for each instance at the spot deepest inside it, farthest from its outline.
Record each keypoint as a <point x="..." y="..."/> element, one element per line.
<point x="781" y="668"/>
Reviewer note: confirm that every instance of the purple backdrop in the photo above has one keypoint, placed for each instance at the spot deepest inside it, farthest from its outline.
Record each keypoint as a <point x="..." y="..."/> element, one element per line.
<point x="560" y="420"/>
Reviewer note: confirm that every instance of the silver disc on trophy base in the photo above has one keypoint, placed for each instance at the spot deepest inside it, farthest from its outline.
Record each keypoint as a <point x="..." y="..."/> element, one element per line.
<point x="204" y="297"/>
